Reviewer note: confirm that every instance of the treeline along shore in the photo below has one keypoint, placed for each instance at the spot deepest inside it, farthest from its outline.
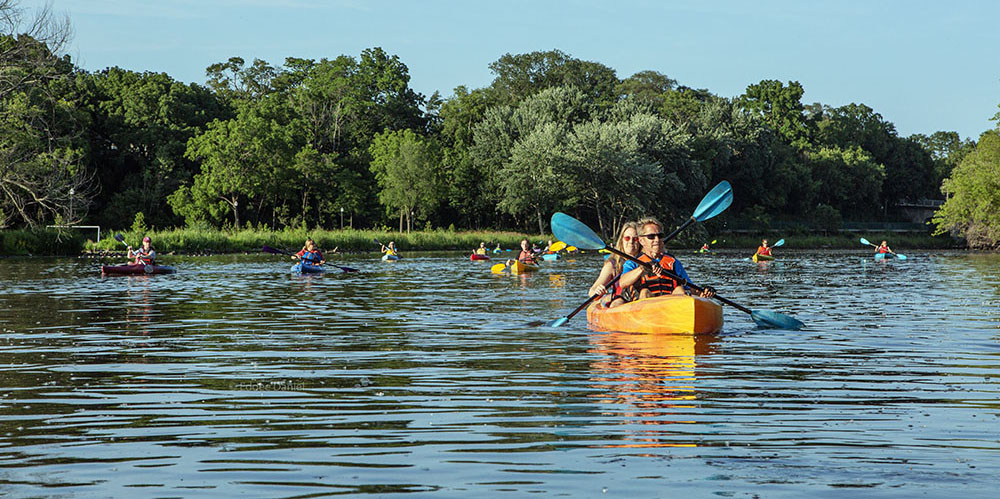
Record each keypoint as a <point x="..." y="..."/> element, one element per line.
<point x="52" y="242"/>
<point x="343" y="141"/>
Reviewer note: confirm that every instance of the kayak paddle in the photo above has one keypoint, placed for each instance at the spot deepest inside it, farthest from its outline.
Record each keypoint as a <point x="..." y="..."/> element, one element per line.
<point x="570" y="229"/>
<point x="865" y="241"/>
<point x="715" y="202"/>
<point x="276" y="251"/>
<point x="557" y="246"/>
<point x="498" y="268"/>
<point x="120" y="238"/>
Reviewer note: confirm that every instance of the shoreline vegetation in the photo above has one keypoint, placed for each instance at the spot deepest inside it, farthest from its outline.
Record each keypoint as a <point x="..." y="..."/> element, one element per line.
<point x="24" y="242"/>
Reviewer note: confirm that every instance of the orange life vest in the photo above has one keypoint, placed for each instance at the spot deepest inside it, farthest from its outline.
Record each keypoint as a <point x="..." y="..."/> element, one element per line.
<point x="658" y="285"/>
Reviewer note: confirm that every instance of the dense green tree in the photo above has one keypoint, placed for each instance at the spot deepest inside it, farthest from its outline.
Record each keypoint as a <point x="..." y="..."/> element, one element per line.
<point x="524" y="75"/>
<point x="947" y="150"/>
<point x="972" y="209"/>
<point x="468" y="202"/>
<point x="140" y="125"/>
<point x="782" y="109"/>
<point x="516" y="187"/>
<point x="41" y="177"/>
<point x="406" y="168"/>
<point x="848" y="180"/>
<point x="245" y="161"/>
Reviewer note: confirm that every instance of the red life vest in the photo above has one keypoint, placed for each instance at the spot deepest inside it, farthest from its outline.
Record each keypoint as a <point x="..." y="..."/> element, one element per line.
<point x="764" y="251"/>
<point x="526" y="257"/>
<point x="883" y="249"/>
<point x="658" y="285"/>
<point x="143" y="257"/>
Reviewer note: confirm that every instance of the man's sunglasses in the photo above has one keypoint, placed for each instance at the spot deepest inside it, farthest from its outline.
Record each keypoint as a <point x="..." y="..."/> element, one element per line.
<point x="653" y="235"/>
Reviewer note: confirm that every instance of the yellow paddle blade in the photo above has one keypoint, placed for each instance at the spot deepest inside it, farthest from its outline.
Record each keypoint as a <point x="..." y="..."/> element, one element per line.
<point x="571" y="248"/>
<point x="603" y="251"/>
<point x="498" y="268"/>
<point x="557" y="246"/>
<point x="713" y="241"/>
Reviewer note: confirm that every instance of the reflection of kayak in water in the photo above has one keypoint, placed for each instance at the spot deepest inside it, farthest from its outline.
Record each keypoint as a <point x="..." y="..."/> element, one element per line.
<point x="136" y="269"/>
<point x="662" y="314"/>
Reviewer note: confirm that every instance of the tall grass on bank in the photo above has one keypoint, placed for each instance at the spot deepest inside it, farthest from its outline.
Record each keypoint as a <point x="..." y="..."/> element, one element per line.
<point x="350" y="240"/>
<point x="25" y="242"/>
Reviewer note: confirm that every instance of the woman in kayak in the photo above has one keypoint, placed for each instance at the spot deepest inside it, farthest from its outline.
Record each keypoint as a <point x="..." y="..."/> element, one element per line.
<point x="884" y="248"/>
<point x="628" y="242"/>
<point x="390" y="249"/>
<point x="145" y="255"/>
<point x="653" y="282"/>
<point x="309" y="253"/>
<point x="764" y="249"/>
<point x="481" y="250"/>
<point x="526" y="256"/>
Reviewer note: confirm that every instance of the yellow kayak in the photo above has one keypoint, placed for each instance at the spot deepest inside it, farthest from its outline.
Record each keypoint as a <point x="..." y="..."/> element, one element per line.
<point x="662" y="314"/>
<point x="762" y="258"/>
<point x="519" y="267"/>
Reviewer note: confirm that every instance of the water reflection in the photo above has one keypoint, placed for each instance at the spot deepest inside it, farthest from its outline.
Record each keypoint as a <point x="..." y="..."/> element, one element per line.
<point x="653" y="376"/>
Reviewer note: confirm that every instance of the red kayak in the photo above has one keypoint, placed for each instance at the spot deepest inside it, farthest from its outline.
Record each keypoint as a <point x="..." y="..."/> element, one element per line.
<point x="475" y="257"/>
<point x="136" y="269"/>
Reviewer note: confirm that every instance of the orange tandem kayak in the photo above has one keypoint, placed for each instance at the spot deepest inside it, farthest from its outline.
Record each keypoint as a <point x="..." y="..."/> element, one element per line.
<point x="662" y="314"/>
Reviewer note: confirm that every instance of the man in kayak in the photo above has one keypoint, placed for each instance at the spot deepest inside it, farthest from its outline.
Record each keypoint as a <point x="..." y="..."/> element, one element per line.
<point x="654" y="282"/>
<point x="309" y="253"/>
<point x="764" y="249"/>
<point x="145" y="255"/>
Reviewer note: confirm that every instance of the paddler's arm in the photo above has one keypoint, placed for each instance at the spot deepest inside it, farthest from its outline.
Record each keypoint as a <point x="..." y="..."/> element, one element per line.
<point x="631" y="272"/>
<point x="607" y="270"/>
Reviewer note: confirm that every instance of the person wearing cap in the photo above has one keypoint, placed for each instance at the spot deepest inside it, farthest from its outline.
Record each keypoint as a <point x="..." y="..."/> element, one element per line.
<point x="145" y="255"/>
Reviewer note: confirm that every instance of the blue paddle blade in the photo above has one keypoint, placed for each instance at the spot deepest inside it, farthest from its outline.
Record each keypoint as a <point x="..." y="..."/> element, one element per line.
<point x="558" y="322"/>
<point x="901" y="257"/>
<point x="715" y="202"/>
<point x="864" y="241"/>
<point x="773" y="320"/>
<point x="574" y="233"/>
<point x="779" y="243"/>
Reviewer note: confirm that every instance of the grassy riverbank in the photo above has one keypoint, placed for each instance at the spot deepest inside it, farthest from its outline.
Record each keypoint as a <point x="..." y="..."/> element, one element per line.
<point x="198" y="241"/>
<point x="348" y="240"/>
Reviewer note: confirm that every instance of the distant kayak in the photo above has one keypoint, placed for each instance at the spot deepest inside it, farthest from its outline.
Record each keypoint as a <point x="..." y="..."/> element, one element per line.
<point x="307" y="268"/>
<point x="474" y="257"/>
<point x="549" y="257"/>
<point x="136" y="269"/>
<point x="762" y="258"/>
<point x="389" y="258"/>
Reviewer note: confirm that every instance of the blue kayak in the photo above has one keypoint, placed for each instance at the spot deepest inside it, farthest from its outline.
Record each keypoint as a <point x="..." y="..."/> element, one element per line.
<point x="389" y="258"/>
<point x="307" y="268"/>
<point x="551" y="256"/>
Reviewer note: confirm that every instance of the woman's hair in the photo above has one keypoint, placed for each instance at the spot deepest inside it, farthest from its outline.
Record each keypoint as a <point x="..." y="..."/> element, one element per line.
<point x="620" y="244"/>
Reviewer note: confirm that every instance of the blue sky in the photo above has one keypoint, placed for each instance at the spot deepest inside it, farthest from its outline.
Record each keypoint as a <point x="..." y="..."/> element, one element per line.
<point x="924" y="65"/>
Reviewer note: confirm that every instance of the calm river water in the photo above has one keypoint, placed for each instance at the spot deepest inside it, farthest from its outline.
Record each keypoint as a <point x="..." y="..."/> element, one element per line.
<point x="235" y="377"/>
